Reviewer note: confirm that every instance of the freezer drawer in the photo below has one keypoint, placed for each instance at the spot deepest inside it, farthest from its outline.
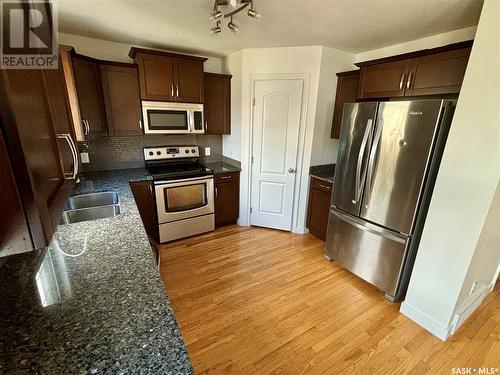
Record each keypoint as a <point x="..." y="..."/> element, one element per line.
<point x="373" y="253"/>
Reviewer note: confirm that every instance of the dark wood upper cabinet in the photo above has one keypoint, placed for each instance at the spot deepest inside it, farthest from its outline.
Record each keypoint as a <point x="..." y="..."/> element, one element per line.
<point x="384" y="80"/>
<point x="217" y="106"/>
<point x="347" y="92"/>
<point x="89" y="91"/>
<point x="318" y="208"/>
<point x="32" y="113"/>
<point x="434" y="71"/>
<point x="120" y="86"/>
<point x="169" y="76"/>
<point x="156" y="77"/>
<point x="227" y="198"/>
<point x="188" y="80"/>
<point x="440" y="73"/>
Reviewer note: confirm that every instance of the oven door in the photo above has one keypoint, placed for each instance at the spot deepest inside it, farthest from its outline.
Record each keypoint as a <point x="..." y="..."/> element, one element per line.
<point x="183" y="199"/>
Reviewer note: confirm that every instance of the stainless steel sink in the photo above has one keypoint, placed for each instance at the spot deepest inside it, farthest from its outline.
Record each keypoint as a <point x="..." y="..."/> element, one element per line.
<point x="103" y="198"/>
<point x="89" y="213"/>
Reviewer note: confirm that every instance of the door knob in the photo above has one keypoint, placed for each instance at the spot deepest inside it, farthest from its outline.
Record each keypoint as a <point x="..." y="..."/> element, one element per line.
<point x="291" y="170"/>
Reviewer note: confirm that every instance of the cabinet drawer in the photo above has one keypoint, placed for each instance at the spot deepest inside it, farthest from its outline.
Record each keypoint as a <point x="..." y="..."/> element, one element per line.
<point x="226" y="177"/>
<point x="321" y="185"/>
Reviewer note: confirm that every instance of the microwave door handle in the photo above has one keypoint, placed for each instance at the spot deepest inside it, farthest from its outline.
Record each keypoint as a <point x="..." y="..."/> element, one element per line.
<point x="191" y="120"/>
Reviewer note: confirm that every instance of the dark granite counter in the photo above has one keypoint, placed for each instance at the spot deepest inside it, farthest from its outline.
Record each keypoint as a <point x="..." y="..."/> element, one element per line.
<point x="323" y="172"/>
<point x="221" y="167"/>
<point x="93" y="302"/>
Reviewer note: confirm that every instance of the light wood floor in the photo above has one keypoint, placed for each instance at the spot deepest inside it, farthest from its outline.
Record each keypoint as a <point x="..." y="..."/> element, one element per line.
<point x="260" y="301"/>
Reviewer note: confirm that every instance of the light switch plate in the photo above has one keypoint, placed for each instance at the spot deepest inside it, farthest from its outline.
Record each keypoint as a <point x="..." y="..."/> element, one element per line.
<point x="84" y="156"/>
<point x="207" y="151"/>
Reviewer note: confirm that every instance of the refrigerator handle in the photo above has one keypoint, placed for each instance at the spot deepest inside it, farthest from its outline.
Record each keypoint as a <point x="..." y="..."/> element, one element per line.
<point x="371" y="160"/>
<point x="369" y="227"/>
<point x="361" y="155"/>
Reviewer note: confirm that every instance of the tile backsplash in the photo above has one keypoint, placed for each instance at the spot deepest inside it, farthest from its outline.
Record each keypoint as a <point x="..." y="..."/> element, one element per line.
<point x="107" y="153"/>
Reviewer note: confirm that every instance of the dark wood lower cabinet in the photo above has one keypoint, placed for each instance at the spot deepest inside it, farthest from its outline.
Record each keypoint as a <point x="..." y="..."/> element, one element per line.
<point x="319" y="207"/>
<point x="145" y="200"/>
<point x="227" y="198"/>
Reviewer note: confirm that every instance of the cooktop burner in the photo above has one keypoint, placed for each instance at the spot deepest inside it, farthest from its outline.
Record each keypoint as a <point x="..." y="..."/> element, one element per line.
<point x="174" y="162"/>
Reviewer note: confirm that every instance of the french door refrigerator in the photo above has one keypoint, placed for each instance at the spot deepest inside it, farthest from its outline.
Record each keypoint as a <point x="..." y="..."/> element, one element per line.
<point x="387" y="162"/>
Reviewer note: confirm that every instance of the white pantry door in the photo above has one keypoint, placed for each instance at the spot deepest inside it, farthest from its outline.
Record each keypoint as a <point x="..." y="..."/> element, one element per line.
<point x="276" y="121"/>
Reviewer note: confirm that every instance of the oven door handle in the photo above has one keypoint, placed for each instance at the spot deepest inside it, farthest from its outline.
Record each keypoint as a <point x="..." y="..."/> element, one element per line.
<point x="183" y="181"/>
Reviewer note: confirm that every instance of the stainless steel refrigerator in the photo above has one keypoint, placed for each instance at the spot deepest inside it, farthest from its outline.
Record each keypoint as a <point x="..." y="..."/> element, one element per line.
<point x="387" y="162"/>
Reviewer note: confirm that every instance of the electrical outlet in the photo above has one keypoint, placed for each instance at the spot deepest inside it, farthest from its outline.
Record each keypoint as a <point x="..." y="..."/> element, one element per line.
<point x="207" y="151"/>
<point x="84" y="156"/>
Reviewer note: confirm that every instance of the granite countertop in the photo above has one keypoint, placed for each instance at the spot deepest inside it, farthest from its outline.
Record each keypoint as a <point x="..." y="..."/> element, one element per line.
<point x="323" y="172"/>
<point x="221" y="167"/>
<point x="93" y="302"/>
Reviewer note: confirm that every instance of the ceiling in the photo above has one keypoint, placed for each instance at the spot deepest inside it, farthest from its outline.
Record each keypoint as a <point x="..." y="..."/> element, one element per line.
<point x="349" y="25"/>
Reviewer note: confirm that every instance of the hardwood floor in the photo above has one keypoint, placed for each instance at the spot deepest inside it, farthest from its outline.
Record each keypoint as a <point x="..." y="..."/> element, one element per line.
<point x="261" y="301"/>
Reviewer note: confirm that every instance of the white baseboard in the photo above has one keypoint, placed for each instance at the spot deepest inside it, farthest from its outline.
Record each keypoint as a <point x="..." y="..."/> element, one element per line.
<point x="469" y="306"/>
<point x="300" y="230"/>
<point x="434" y="327"/>
<point x="243" y="222"/>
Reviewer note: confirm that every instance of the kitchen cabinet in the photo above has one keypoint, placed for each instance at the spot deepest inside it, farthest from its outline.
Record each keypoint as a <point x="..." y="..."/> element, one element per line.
<point x="168" y="76"/>
<point x="89" y="91"/>
<point x="347" y="92"/>
<point x="144" y="198"/>
<point x="428" y="72"/>
<point x="227" y="198"/>
<point x="217" y="106"/>
<point x="120" y="86"/>
<point x="318" y="208"/>
<point x="31" y="138"/>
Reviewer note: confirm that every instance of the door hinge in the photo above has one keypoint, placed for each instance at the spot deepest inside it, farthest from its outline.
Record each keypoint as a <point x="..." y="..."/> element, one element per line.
<point x="252" y="160"/>
<point x="253" y="101"/>
<point x="250" y="209"/>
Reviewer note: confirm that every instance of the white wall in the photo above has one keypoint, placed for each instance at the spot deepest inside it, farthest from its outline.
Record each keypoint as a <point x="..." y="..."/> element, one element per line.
<point x="108" y="50"/>
<point x="437" y="40"/>
<point x="231" y="144"/>
<point x="324" y="150"/>
<point x="465" y="186"/>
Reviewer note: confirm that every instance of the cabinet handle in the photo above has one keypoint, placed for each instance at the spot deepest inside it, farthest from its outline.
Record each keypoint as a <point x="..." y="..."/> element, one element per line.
<point x="140" y="124"/>
<point x="85" y="127"/>
<point x="225" y="177"/>
<point x="172" y="90"/>
<point x="216" y="191"/>
<point x="408" y="83"/>
<point x="88" y="126"/>
<point x="206" y="126"/>
<point x="401" y="82"/>
<point x="74" y="153"/>
<point x="324" y="186"/>
<point x="177" y="89"/>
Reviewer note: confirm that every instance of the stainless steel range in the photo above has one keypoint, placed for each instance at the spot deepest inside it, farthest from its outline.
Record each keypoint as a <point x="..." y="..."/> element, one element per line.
<point x="184" y="191"/>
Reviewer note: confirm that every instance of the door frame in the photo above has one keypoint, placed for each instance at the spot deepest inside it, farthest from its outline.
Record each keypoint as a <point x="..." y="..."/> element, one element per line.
<point x="305" y="78"/>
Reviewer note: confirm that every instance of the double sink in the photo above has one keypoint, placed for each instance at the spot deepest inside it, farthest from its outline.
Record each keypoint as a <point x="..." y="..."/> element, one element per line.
<point x="91" y="206"/>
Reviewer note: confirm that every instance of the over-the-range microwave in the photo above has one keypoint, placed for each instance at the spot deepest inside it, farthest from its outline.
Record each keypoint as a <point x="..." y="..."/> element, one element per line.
<point x="172" y="118"/>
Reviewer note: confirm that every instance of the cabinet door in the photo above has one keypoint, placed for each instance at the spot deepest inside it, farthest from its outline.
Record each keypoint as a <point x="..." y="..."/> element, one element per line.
<point x="61" y="118"/>
<point x="318" y="208"/>
<point x="384" y="80"/>
<point x="188" y="80"/>
<point x="156" y="77"/>
<point x="144" y="198"/>
<point x="347" y="91"/>
<point x="440" y="73"/>
<point x="88" y="87"/>
<point x="34" y="149"/>
<point x="217" y="106"/>
<point x="227" y="198"/>
<point x="122" y="100"/>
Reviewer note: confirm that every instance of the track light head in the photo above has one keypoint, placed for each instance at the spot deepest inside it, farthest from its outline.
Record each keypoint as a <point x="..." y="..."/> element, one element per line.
<point x="232" y="26"/>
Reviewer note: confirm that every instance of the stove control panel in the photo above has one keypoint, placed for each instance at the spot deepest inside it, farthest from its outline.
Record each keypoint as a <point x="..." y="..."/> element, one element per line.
<point x="171" y="152"/>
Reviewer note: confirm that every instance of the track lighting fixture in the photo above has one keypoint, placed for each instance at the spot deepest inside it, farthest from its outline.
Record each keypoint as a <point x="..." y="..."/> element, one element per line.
<point x="234" y="7"/>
